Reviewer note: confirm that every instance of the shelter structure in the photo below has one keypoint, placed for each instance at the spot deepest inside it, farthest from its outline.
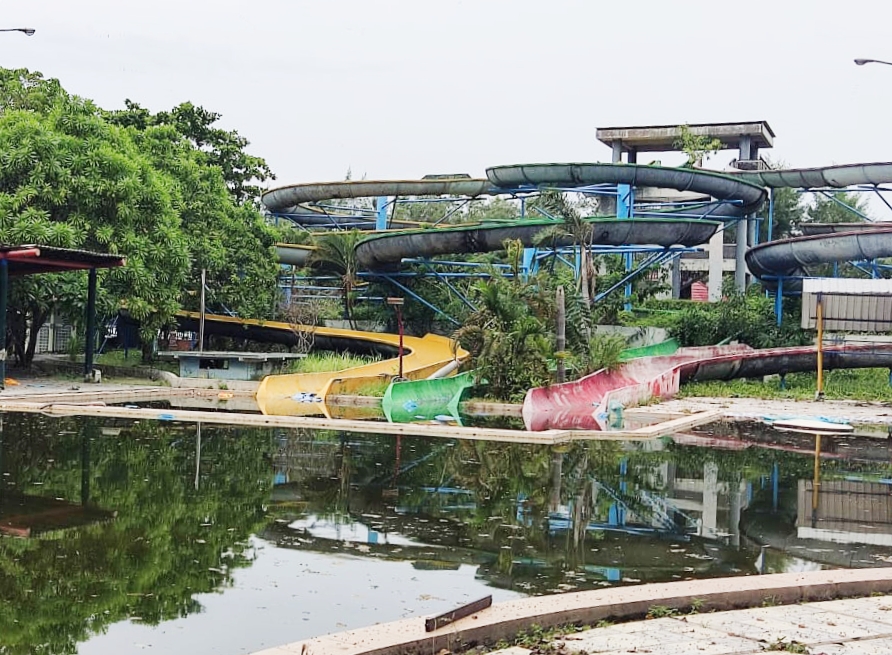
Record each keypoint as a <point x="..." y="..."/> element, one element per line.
<point x="748" y="138"/>
<point x="34" y="259"/>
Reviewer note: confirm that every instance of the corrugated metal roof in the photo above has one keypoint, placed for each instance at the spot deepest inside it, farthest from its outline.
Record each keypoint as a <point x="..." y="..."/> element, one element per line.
<point x="844" y="286"/>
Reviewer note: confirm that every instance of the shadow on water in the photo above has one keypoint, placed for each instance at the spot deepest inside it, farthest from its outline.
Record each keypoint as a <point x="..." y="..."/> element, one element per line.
<point x="104" y="522"/>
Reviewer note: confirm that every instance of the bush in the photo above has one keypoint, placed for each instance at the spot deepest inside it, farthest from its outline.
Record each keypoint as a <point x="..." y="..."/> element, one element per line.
<point x="747" y="318"/>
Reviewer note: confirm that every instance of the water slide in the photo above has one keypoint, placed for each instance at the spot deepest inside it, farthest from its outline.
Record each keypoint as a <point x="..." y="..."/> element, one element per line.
<point x="426" y="400"/>
<point x="290" y="394"/>
<point x="736" y="195"/>
<point x="822" y="244"/>
<point x="305" y="393"/>
<point x="585" y="403"/>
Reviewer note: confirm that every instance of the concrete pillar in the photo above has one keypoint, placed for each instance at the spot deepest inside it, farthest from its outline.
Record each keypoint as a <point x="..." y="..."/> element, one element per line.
<point x="737" y="498"/>
<point x="745" y="227"/>
<point x="740" y="261"/>
<point x="675" y="277"/>
<point x="617" y="152"/>
<point x="716" y="261"/>
<point x="632" y="157"/>
<point x="745" y="148"/>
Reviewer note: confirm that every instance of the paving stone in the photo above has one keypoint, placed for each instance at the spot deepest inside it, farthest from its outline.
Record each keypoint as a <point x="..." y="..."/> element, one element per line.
<point x="514" y="650"/>
<point x="765" y="630"/>
<point x="875" y="608"/>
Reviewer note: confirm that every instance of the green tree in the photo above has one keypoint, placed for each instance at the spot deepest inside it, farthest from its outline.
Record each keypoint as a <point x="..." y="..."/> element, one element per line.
<point x="509" y="336"/>
<point x="837" y="208"/>
<point x="696" y="147"/>
<point x="222" y="148"/>
<point x="788" y="214"/>
<point x="169" y="193"/>
<point x="575" y="229"/>
<point x="69" y="179"/>
<point x="336" y="251"/>
<point x="231" y="242"/>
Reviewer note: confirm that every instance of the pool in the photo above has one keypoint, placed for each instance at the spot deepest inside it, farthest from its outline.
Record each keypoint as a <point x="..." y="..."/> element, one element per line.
<point x="118" y="535"/>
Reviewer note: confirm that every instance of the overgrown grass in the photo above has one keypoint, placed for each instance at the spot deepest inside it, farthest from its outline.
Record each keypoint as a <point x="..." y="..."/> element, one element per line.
<point x="133" y="360"/>
<point x="868" y="384"/>
<point x="375" y="389"/>
<point x="324" y="362"/>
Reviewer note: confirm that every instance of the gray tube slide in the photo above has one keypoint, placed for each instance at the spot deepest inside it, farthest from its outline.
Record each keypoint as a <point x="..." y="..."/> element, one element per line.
<point x="284" y="198"/>
<point x="836" y="177"/>
<point x="826" y="243"/>
<point x="717" y="185"/>
<point x="792" y="257"/>
<point x="386" y="250"/>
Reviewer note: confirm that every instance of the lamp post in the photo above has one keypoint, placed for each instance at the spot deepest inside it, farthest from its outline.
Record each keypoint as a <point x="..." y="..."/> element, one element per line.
<point x="27" y="31"/>
<point x="861" y="62"/>
<point x="397" y="304"/>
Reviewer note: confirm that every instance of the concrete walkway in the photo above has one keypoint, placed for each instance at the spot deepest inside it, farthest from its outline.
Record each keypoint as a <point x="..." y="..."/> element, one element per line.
<point x="718" y="627"/>
<point x="859" y="626"/>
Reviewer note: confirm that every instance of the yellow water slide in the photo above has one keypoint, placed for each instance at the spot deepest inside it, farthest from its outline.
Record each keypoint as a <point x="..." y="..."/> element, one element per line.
<point x="302" y="393"/>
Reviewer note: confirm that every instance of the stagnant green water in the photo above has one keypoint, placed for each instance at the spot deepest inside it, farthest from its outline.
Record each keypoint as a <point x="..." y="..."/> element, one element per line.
<point x="117" y="537"/>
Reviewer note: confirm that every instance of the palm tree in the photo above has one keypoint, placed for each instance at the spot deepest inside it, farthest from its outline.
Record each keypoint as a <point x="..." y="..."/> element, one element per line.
<point x="574" y="228"/>
<point x="336" y="251"/>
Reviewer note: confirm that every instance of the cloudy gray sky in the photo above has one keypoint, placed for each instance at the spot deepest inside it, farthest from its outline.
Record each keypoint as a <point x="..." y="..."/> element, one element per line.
<point x="401" y="88"/>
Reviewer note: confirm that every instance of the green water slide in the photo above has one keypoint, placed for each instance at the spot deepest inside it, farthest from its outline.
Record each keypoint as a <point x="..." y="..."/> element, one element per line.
<point x="425" y="400"/>
<point x="667" y="347"/>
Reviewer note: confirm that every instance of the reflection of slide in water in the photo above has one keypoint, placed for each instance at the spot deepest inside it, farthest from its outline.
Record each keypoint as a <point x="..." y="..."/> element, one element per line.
<point x="585" y="403"/>
<point x="304" y="393"/>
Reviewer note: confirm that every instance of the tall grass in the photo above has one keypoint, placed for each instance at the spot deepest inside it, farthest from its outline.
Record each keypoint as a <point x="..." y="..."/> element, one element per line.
<point x="867" y="384"/>
<point x="324" y="362"/>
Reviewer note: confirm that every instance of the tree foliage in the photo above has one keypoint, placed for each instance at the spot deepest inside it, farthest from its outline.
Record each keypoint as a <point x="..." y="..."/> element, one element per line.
<point x="746" y="318"/>
<point x="696" y="147"/>
<point x="72" y="175"/>
<point x="224" y="149"/>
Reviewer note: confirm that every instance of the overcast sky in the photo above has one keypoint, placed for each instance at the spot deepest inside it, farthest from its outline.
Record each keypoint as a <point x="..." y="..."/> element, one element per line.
<point x="402" y="88"/>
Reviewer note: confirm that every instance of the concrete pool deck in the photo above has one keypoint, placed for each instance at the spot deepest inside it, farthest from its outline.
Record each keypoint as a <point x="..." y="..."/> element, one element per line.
<point x="842" y="625"/>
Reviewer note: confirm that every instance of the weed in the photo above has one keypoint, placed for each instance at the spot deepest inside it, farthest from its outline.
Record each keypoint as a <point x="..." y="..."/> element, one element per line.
<point x="770" y="601"/>
<point x="603" y="623"/>
<point x="696" y="605"/>
<point x="794" y="646"/>
<point x="660" y="612"/>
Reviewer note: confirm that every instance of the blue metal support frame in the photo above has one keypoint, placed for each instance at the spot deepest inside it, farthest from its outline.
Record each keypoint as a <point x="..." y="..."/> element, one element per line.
<point x="381" y="213"/>
<point x="654" y="259"/>
<point x="409" y="292"/>
<point x="779" y="302"/>
<point x="625" y="201"/>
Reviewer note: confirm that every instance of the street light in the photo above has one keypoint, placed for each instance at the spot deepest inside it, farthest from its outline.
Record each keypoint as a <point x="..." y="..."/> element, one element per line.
<point x="861" y="62"/>
<point x="27" y="31"/>
<point x="397" y="304"/>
